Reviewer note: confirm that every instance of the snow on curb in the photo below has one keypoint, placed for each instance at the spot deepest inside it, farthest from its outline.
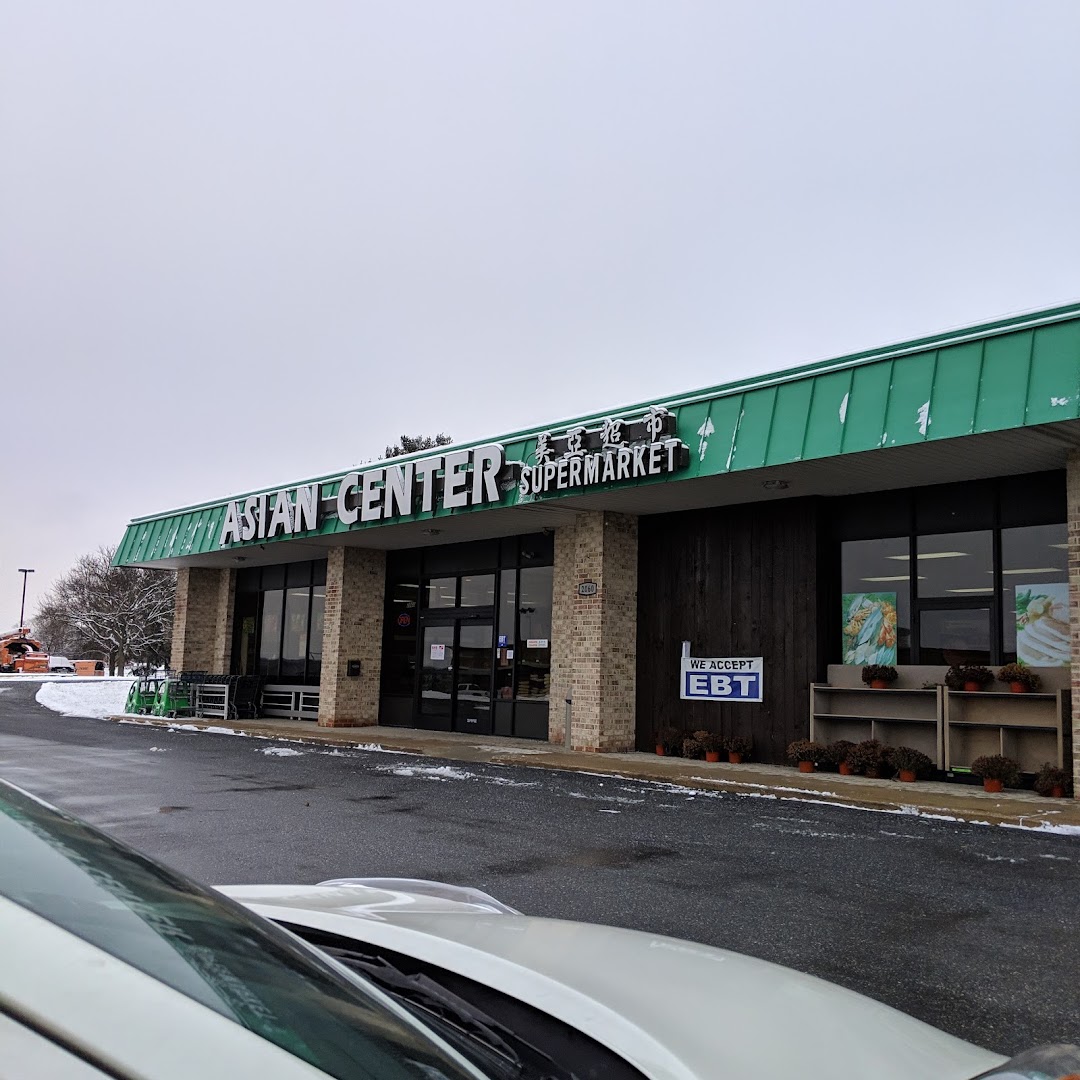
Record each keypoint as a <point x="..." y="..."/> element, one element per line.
<point x="95" y="698"/>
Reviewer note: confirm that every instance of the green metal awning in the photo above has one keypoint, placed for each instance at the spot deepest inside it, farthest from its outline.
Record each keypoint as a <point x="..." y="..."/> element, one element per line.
<point x="1016" y="373"/>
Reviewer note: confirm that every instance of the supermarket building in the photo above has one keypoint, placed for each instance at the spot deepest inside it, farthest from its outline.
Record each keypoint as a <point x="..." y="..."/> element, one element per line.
<point x="916" y="505"/>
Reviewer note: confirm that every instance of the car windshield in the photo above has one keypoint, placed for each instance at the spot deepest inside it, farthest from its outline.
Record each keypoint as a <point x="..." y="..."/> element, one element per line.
<point x="206" y="947"/>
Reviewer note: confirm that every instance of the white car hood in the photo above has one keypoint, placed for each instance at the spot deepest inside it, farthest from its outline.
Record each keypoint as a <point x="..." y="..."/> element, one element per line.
<point x="673" y="1008"/>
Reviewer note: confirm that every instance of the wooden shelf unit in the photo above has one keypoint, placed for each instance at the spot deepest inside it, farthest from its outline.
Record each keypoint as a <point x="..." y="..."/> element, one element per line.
<point x="895" y="717"/>
<point x="1030" y="728"/>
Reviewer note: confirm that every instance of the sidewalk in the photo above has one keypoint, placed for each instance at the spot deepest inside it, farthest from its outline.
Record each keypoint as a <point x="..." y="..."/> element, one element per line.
<point x="959" y="801"/>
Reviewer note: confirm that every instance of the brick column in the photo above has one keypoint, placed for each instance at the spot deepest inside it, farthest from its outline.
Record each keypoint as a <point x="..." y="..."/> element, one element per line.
<point x="1072" y="482"/>
<point x="352" y="630"/>
<point x="594" y="639"/>
<point x="203" y="620"/>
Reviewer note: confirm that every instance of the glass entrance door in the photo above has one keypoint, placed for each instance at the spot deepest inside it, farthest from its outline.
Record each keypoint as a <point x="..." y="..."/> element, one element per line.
<point x="456" y="676"/>
<point x="437" y="677"/>
<point x="472" y="702"/>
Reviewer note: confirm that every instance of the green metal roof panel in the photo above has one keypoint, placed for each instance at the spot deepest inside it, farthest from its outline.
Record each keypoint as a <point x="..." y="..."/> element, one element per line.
<point x="1003" y="384"/>
<point x="956" y="391"/>
<point x="791" y="413"/>
<point x="999" y="376"/>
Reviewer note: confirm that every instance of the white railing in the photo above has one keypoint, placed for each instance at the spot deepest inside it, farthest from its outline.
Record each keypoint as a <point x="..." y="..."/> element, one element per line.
<point x="293" y="702"/>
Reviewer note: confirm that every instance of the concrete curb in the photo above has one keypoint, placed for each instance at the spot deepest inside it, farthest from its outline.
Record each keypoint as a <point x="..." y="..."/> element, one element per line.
<point x="961" y="803"/>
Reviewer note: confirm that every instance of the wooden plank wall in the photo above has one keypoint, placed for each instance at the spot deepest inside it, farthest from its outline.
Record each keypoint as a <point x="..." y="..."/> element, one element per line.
<point x="735" y="581"/>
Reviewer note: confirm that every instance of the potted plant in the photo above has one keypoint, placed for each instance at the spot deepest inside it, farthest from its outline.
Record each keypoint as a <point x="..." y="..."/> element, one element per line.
<point x="968" y="677"/>
<point x="868" y="758"/>
<point x="691" y="748"/>
<point x="805" y="754"/>
<point x="911" y="764"/>
<point x="711" y="744"/>
<point x="667" y="741"/>
<point x="1053" y="782"/>
<point x="739" y="748"/>
<point x="836" y="754"/>
<point x="879" y="676"/>
<point x="997" y="771"/>
<point x="1021" y="679"/>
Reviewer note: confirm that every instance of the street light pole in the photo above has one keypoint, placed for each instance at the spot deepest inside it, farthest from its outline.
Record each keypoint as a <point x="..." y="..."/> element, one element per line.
<point x="22" y="607"/>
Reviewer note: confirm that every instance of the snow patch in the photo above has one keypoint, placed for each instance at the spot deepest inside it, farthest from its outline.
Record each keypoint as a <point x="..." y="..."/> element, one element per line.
<point x="843" y="408"/>
<point x="158" y="749"/>
<point x="1056" y="402"/>
<point x="91" y="698"/>
<point x="280" y="751"/>
<point x="213" y="729"/>
<point x="609" y="811"/>
<point x="922" y="415"/>
<point x="431" y="772"/>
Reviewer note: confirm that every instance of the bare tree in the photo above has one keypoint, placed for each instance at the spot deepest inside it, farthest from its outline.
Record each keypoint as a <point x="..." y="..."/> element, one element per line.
<point x="122" y="612"/>
<point x="410" y="444"/>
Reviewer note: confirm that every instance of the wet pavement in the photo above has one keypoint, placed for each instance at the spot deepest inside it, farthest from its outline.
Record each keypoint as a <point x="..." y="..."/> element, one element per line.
<point x="972" y="928"/>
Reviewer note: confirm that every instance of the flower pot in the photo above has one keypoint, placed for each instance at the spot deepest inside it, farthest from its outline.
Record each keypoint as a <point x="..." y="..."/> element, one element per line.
<point x="879" y="684"/>
<point x="735" y="758"/>
<point x="1057" y="792"/>
<point x="845" y="769"/>
<point x="992" y="786"/>
<point x="806" y="766"/>
<point x="712" y="755"/>
<point x="1018" y="687"/>
<point x="907" y="776"/>
<point x="972" y="687"/>
<point x="660" y="751"/>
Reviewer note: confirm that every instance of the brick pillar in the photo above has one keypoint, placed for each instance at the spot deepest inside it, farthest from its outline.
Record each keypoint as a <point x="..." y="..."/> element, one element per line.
<point x="1072" y="482"/>
<point x="594" y="639"/>
<point x="203" y="620"/>
<point x="352" y="630"/>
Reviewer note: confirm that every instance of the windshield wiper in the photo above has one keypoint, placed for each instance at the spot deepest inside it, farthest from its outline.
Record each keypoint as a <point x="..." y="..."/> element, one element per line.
<point x="467" y="1027"/>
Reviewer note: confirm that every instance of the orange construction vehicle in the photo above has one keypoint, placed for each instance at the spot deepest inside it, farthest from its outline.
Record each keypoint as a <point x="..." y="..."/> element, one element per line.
<point x="23" y="653"/>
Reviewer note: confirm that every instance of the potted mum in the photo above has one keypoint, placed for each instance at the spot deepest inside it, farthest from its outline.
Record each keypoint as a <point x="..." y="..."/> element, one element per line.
<point x="997" y="771"/>
<point x="805" y="754"/>
<point x="968" y="677"/>
<point x="910" y="764"/>
<point x="879" y="676"/>
<point x="711" y="743"/>
<point x="836" y="754"/>
<point x="691" y="748"/>
<point x="667" y="741"/>
<point x="1053" y="782"/>
<point x="1021" y="679"/>
<point x="868" y="758"/>
<point x="739" y="748"/>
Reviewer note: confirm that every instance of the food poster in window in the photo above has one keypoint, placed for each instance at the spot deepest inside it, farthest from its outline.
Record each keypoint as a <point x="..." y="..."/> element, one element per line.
<point x="869" y="628"/>
<point x="1042" y="624"/>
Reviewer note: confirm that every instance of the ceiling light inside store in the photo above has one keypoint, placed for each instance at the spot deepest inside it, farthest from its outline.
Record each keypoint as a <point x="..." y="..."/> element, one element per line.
<point x="986" y="590"/>
<point x="930" y="555"/>
<point x="1064" y="547"/>
<point x="1033" y="570"/>
<point x="891" y="577"/>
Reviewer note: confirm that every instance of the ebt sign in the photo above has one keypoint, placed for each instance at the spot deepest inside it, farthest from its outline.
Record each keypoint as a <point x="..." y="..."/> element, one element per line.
<point x="724" y="678"/>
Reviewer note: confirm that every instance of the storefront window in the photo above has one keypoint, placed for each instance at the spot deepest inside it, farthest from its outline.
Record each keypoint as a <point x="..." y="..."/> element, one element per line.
<point x="876" y="587"/>
<point x="318" y="609"/>
<point x="399" y="639"/>
<point x="478" y="590"/>
<point x="954" y="565"/>
<point x="441" y="593"/>
<point x="955" y="636"/>
<point x="534" y="632"/>
<point x="507" y="614"/>
<point x="1035" y="595"/>
<point x="270" y="639"/>
<point x="294" y="640"/>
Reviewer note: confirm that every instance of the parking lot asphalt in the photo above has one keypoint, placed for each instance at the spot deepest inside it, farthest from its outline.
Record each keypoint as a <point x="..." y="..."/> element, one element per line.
<point x="969" y="927"/>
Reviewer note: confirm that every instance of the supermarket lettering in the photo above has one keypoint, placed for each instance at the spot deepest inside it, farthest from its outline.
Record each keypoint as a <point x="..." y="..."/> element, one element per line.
<point x="721" y="678"/>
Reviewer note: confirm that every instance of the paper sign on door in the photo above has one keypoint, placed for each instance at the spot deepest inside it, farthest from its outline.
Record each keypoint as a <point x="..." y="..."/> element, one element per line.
<point x="438" y="652"/>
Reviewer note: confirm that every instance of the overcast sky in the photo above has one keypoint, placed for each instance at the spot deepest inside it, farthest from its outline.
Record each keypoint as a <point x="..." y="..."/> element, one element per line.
<point x="242" y="243"/>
